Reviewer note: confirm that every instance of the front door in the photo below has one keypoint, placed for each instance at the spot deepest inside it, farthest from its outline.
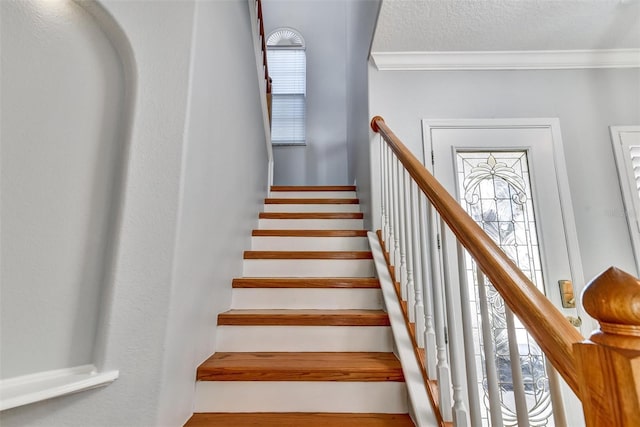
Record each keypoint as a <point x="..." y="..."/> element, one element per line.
<point x="509" y="176"/>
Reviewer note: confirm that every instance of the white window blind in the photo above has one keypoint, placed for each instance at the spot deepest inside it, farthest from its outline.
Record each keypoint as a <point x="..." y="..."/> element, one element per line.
<point x="626" y="147"/>
<point x="287" y="68"/>
<point x="634" y="153"/>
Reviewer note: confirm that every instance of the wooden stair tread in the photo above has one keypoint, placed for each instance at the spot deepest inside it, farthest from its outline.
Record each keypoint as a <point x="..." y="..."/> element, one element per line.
<point x="301" y="366"/>
<point x="310" y="233"/>
<point x="313" y="188"/>
<point x="298" y="419"/>
<point x="306" y="317"/>
<point x="307" y="283"/>
<point x="308" y="255"/>
<point x="292" y="201"/>
<point x="311" y="215"/>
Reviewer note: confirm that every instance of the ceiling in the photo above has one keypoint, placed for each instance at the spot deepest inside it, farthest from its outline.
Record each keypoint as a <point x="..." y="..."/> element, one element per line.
<point x="506" y="25"/>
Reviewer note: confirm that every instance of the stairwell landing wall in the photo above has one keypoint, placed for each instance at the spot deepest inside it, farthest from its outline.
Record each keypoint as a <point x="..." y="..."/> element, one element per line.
<point x="157" y="310"/>
<point x="361" y="21"/>
<point x="223" y="188"/>
<point x="323" y="160"/>
<point x="586" y="101"/>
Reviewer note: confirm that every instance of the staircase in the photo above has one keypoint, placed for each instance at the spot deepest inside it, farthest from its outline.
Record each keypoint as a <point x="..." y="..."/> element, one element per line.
<point x="306" y="342"/>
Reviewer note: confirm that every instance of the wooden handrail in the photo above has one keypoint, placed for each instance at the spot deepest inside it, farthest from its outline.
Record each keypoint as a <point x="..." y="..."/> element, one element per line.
<point x="551" y="330"/>
<point x="264" y="47"/>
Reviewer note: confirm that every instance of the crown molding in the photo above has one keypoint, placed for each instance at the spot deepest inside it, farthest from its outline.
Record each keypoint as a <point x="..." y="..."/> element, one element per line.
<point x="507" y="60"/>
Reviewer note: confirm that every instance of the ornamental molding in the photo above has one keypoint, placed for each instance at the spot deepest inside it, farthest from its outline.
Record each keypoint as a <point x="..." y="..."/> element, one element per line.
<point x="507" y="60"/>
<point x="489" y="170"/>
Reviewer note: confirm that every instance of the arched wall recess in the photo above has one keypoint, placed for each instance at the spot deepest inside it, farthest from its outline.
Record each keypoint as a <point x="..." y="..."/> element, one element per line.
<point x="67" y="118"/>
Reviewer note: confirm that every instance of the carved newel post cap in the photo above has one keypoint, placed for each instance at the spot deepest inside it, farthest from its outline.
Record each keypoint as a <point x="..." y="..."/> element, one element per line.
<point x="613" y="298"/>
<point x="374" y="125"/>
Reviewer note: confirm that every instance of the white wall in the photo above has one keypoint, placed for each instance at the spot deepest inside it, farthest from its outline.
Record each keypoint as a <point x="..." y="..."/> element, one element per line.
<point x="323" y="161"/>
<point x="182" y="163"/>
<point x="361" y="20"/>
<point x="63" y="89"/>
<point x="223" y="187"/>
<point x="585" y="101"/>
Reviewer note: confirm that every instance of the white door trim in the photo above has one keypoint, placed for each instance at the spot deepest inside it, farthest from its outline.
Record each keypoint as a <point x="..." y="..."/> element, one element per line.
<point x="568" y="218"/>
<point x="629" y="199"/>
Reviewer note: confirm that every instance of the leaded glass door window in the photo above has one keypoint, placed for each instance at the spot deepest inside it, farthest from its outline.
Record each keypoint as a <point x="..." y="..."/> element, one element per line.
<point x="496" y="191"/>
<point x="504" y="175"/>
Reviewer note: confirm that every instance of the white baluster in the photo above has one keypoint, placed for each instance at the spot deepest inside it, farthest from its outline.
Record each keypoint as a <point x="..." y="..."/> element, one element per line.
<point x="408" y="209"/>
<point x="383" y="223"/>
<point x="442" y="365"/>
<point x="402" y="231"/>
<point x="396" y="217"/>
<point x="418" y="278"/>
<point x="559" y="413"/>
<point x="495" y="407"/>
<point x="469" y="349"/>
<point x="389" y="234"/>
<point x="428" y="284"/>
<point x="452" y="301"/>
<point x="522" y="413"/>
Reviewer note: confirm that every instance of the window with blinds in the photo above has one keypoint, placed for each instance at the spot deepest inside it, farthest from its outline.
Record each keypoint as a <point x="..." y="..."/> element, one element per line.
<point x="288" y="70"/>
<point x="626" y="148"/>
<point x="634" y="155"/>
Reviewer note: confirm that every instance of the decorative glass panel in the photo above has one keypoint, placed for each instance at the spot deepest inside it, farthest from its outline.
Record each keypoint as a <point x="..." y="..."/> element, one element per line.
<point x="496" y="191"/>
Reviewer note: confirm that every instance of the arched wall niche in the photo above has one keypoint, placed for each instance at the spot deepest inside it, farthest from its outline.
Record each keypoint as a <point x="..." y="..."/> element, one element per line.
<point x="68" y="91"/>
<point x="122" y="46"/>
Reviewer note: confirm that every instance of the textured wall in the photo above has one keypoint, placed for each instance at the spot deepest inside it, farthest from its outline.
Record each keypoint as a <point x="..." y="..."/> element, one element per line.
<point x="223" y="188"/>
<point x="585" y="101"/>
<point x="63" y="92"/>
<point x="361" y="20"/>
<point x="195" y="174"/>
<point x="323" y="161"/>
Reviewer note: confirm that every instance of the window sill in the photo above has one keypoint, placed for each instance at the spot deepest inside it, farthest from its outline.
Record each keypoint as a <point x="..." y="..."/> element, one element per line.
<point x="289" y="144"/>
<point x="45" y="385"/>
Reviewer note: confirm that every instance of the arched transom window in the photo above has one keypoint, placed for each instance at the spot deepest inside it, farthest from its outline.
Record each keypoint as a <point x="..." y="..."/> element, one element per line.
<point x="288" y="70"/>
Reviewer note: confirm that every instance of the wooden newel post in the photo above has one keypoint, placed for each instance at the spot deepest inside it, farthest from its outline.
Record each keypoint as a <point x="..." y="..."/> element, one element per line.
<point x="608" y="363"/>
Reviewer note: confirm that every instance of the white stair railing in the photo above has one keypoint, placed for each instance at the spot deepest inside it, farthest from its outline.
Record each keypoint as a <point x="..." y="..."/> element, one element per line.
<point x="483" y="377"/>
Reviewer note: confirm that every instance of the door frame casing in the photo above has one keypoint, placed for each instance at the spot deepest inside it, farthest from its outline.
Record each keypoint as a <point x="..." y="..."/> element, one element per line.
<point x="630" y="202"/>
<point x="562" y="181"/>
<point x="552" y="125"/>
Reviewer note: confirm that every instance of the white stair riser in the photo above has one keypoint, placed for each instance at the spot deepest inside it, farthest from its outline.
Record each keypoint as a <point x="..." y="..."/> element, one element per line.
<point x="313" y="195"/>
<point x="308" y="268"/>
<point x="303" y="338"/>
<point x="300" y="396"/>
<point x="271" y="207"/>
<point x="299" y="299"/>
<point x="268" y="243"/>
<point x="310" y="224"/>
